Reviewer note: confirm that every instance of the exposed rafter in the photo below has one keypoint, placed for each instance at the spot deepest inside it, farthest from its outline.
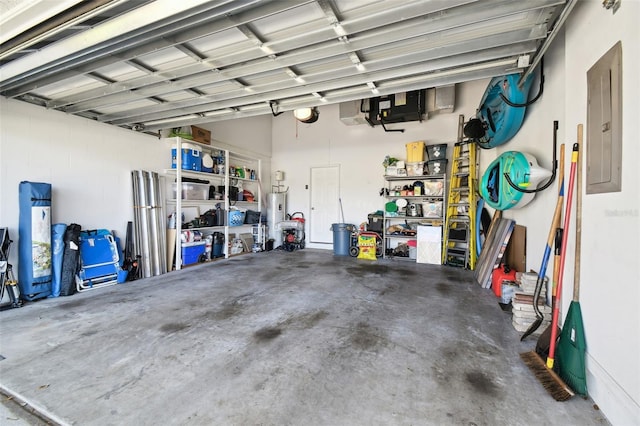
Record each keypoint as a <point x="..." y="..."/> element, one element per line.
<point x="155" y="64"/>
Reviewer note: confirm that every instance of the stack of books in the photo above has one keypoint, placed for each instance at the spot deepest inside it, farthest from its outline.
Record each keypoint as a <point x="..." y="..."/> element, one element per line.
<point x="522" y="304"/>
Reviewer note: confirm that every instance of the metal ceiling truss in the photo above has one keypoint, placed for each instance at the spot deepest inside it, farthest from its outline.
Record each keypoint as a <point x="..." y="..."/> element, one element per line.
<point x="165" y="64"/>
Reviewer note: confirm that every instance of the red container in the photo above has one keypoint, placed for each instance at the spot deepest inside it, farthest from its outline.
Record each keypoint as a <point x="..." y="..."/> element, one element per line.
<point x="503" y="273"/>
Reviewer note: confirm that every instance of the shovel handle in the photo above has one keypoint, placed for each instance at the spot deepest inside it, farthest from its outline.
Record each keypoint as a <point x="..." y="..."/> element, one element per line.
<point x="567" y="220"/>
<point x="576" y="267"/>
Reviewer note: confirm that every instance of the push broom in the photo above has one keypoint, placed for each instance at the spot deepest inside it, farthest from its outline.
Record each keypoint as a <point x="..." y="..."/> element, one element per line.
<point x="572" y="344"/>
<point x="556" y="387"/>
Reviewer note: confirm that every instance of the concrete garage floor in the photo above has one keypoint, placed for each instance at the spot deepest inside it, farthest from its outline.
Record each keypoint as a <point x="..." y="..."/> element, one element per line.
<point x="302" y="338"/>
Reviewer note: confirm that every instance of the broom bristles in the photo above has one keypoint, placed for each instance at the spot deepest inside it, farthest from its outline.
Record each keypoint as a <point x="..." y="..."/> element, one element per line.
<point x="548" y="378"/>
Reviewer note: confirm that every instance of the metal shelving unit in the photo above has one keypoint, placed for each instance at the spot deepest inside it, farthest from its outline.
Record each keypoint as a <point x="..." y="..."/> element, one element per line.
<point x="434" y="196"/>
<point x="220" y="177"/>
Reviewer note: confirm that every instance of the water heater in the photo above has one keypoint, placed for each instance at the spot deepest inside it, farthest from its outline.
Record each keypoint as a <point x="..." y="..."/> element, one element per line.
<point x="276" y="213"/>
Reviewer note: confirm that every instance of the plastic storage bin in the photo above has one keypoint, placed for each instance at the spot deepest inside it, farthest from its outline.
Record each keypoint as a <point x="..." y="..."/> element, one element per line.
<point x="433" y="188"/>
<point x="415" y="169"/>
<point x="191" y="252"/>
<point x="432" y="209"/>
<point x="375" y="223"/>
<point x="437" y="167"/>
<point x="415" y="152"/>
<point x="251" y="217"/>
<point x="192" y="191"/>
<point x="413" y="249"/>
<point x="437" y="151"/>
<point x="236" y="218"/>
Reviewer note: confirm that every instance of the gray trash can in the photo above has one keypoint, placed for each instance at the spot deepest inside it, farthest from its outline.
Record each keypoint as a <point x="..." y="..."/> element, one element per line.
<point x="341" y="238"/>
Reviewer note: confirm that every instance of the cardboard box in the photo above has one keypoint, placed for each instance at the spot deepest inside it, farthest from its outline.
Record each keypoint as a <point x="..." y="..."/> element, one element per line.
<point x="201" y="135"/>
<point x="516" y="253"/>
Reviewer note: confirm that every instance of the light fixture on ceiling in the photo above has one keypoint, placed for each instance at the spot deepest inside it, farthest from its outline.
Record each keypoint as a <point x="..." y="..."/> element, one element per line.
<point x="306" y="115"/>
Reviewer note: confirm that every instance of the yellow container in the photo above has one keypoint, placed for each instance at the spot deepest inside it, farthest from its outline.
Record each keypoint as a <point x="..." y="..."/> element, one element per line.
<point x="415" y="152"/>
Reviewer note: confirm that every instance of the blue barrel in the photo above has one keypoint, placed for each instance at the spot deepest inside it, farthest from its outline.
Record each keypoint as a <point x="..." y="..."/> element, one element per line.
<point x="341" y="238"/>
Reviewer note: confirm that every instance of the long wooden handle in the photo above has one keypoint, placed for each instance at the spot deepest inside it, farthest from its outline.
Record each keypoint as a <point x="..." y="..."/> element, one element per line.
<point x="556" y="225"/>
<point x="561" y="184"/>
<point x="557" y="213"/>
<point x="575" y="154"/>
<point x="576" y="268"/>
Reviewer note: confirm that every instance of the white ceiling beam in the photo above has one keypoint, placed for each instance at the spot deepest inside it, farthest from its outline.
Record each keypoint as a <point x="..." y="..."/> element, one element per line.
<point x="396" y="62"/>
<point x="233" y="99"/>
<point x="153" y="42"/>
<point x="21" y="16"/>
<point x="144" y="16"/>
<point x="552" y="35"/>
<point x="238" y="59"/>
<point x="402" y="85"/>
<point x="311" y="60"/>
<point x="312" y="53"/>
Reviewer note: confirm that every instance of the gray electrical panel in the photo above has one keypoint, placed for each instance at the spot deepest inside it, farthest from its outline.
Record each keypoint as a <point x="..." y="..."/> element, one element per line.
<point x="604" y="123"/>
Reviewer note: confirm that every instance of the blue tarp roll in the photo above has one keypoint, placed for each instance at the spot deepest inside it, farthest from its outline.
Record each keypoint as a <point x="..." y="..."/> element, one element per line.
<point x="57" y="255"/>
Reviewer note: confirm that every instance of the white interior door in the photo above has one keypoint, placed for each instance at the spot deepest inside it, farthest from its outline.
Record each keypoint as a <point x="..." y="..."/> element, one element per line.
<point x="325" y="206"/>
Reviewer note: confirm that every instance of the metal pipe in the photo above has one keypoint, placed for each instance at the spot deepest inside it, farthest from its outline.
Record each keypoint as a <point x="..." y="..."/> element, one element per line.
<point x="153" y="223"/>
<point x="547" y="42"/>
<point x="145" y="259"/>
<point x="56" y="24"/>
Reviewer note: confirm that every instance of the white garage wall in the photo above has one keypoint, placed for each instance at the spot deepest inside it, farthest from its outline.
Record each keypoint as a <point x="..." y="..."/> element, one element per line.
<point x="609" y="292"/>
<point x="250" y="136"/>
<point x="87" y="163"/>
<point x="358" y="150"/>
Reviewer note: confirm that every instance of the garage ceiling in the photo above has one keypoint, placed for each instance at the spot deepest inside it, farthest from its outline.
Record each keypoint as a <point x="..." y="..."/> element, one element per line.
<point x="150" y="65"/>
